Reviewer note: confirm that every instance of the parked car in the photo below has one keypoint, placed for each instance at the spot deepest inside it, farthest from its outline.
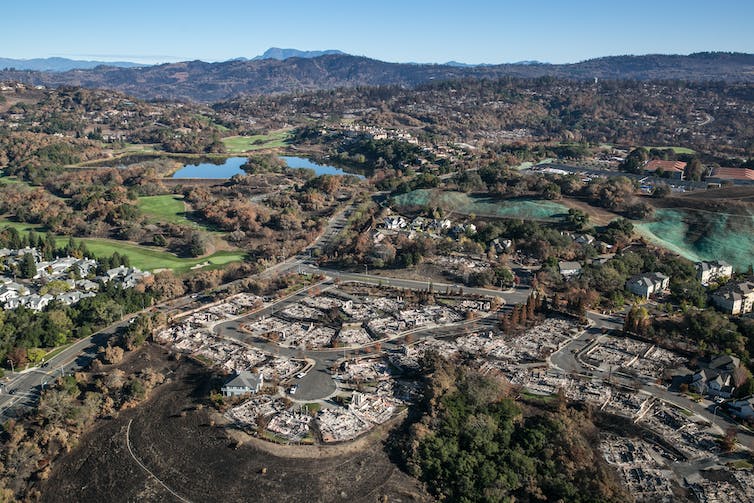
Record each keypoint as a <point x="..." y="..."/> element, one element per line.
<point x="293" y="389"/>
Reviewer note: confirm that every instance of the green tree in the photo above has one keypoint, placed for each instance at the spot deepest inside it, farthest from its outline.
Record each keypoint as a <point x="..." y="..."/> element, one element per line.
<point x="694" y="170"/>
<point x="577" y="219"/>
<point x="28" y="266"/>
<point x="635" y="160"/>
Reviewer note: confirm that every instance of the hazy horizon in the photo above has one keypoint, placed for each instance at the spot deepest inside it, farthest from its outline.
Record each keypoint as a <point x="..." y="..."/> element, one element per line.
<point x="477" y="32"/>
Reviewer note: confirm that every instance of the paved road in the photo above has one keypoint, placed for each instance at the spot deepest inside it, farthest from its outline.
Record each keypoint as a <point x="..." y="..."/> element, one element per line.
<point x="318" y="383"/>
<point x="513" y="296"/>
<point x="23" y="388"/>
<point x="566" y="361"/>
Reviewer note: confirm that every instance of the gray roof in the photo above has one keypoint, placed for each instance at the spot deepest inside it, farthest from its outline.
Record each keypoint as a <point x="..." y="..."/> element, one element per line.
<point x="244" y="379"/>
<point x="724" y="361"/>
<point x="647" y="279"/>
<point x="735" y="291"/>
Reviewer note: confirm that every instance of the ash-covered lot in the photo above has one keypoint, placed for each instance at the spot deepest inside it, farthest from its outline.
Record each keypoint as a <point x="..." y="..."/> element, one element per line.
<point x="174" y="436"/>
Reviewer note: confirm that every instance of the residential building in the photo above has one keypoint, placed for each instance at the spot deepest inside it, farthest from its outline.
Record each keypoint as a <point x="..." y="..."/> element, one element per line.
<point x="713" y="383"/>
<point x="734" y="298"/>
<point x="7" y="294"/>
<point x="72" y="297"/>
<point x="129" y="276"/>
<point x="87" y="285"/>
<point x="35" y="302"/>
<point x="724" y="363"/>
<point x="742" y="408"/>
<point x="718" y="270"/>
<point x="243" y="383"/>
<point x="84" y="266"/>
<point x="584" y="239"/>
<point x="569" y="269"/>
<point x="646" y="285"/>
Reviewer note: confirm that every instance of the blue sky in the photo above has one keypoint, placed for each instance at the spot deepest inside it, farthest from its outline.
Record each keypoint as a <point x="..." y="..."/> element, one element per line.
<point x="472" y="31"/>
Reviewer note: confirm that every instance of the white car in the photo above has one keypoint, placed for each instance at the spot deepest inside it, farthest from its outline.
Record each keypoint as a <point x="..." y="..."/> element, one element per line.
<point x="300" y="375"/>
<point x="293" y="389"/>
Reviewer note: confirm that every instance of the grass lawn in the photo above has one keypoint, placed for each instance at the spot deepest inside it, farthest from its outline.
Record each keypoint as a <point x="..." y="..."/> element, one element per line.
<point x="677" y="150"/>
<point x="170" y="208"/>
<point x="239" y="144"/>
<point x="165" y="208"/>
<point x="148" y="259"/>
<point x="132" y="149"/>
<point x="313" y="407"/>
<point x="21" y="227"/>
<point x="143" y="257"/>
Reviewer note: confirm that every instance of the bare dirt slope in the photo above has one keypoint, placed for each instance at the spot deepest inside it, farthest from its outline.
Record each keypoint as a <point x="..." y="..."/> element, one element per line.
<point x="201" y="462"/>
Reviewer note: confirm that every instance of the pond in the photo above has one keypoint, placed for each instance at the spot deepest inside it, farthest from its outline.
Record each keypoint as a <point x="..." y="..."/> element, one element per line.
<point x="232" y="166"/>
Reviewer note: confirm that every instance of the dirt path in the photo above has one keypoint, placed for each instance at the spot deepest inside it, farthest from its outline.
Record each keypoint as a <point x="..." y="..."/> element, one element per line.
<point x="131" y="452"/>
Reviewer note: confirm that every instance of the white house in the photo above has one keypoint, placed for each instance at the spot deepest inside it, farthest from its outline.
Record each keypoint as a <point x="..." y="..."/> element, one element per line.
<point x="569" y="269"/>
<point x="707" y="272"/>
<point x="117" y="272"/>
<point x="646" y="285"/>
<point x="84" y="266"/>
<point x="7" y="294"/>
<point x="735" y="298"/>
<point x="243" y="383"/>
<point x="129" y="276"/>
<point x="36" y="302"/>
<point x="87" y="285"/>
<point x="69" y="298"/>
<point x="584" y="239"/>
<point x="133" y="277"/>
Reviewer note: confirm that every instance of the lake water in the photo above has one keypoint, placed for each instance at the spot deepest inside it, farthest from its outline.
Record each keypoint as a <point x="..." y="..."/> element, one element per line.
<point x="232" y="166"/>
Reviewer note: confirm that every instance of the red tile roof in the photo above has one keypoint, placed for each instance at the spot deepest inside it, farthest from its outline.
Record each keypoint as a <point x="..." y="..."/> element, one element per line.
<point x="666" y="166"/>
<point x="733" y="173"/>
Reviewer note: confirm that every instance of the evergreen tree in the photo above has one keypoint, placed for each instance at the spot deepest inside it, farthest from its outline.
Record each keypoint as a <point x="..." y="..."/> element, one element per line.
<point x="28" y="266"/>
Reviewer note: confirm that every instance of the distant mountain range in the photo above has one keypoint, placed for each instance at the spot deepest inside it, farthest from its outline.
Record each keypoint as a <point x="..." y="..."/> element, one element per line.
<point x="65" y="64"/>
<point x="60" y="64"/>
<point x="283" y="54"/>
<point x="209" y="82"/>
<point x="471" y="65"/>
